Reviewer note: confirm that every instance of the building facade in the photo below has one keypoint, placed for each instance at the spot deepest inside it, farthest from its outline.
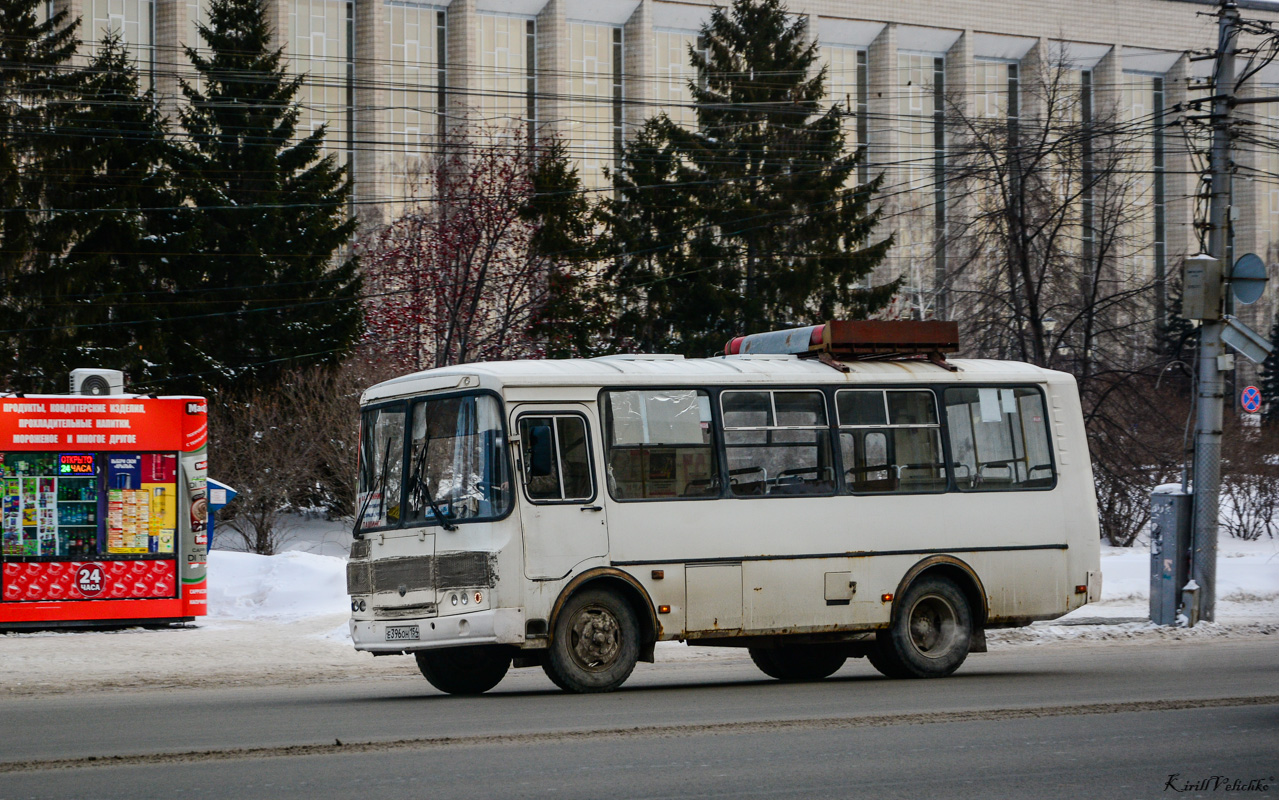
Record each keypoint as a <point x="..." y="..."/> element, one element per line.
<point x="391" y="78"/>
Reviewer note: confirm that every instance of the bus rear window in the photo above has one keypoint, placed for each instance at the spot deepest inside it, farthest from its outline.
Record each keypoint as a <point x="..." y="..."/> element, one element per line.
<point x="659" y="444"/>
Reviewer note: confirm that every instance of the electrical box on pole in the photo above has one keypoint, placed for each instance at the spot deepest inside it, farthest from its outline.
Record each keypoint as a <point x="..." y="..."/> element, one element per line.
<point x="1201" y="288"/>
<point x="1170" y="547"/>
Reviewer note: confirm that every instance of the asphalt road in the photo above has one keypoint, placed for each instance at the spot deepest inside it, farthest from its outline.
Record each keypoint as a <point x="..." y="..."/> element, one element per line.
<point x="1071" y="720"/>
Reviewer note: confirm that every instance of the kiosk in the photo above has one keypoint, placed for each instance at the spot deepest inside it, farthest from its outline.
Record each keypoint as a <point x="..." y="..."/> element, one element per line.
<point x="103" y="514"/>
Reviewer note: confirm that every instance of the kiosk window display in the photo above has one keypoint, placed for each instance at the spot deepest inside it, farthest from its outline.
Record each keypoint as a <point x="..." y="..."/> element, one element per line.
<point x="111" y="531"/>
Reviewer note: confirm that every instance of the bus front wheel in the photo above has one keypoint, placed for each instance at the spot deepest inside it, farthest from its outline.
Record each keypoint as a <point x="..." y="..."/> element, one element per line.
<point x="798" y="662"/>
<point x="595" y="643"/>
<point x="464" y="670"/>
<point x="930" y="632"/>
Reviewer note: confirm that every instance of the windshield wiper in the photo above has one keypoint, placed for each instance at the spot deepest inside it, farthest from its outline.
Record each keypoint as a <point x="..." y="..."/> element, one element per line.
<point x="380" y="483"/>
<point x="423" y="489"/>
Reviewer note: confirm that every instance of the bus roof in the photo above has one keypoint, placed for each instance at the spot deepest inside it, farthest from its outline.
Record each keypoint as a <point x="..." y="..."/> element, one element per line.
<point x="666" y="370"/>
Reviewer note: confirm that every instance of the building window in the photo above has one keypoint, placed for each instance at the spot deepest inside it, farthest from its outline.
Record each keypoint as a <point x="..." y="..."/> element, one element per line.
<point x="594" y="107"/>
<point x="1158" y="176"/>
<point x="322" y="51"/>
<point x="414" y="111"/>
<point x="134" y="22"/>
<point x="507" y="80"/>
<point x="1269" y="180"/>
<point x="846" y="88"/>
<point x="1143" y="103"/>
<point x="618" y="96"/>
<point x="197" y="15"/>
<point x="675" y="72"/>
<point x="920" y="249"/>
<point x="1088" y="168"/>
<point x="863" y="117"/>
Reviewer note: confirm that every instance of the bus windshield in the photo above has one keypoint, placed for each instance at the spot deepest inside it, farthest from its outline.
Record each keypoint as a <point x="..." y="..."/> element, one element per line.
<point x="456" y="463"/>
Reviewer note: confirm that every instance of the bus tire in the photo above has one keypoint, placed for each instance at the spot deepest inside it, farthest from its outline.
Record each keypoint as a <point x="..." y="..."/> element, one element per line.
<point x="881" y="658"/>
<point x="797" y="663"/>
<point x="595" y="643"/>
<point x="930" y="633"/>
<point x="464" y="670"/>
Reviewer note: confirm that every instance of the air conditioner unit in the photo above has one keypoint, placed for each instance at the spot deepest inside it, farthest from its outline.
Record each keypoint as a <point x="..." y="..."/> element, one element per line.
<point x="97" y="381"/>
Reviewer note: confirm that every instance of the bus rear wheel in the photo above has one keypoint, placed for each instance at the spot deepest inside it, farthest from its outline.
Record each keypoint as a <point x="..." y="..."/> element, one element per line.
<point x="930" y="633"/>
<point x="464" y="670"/>
<point x="796" y="663"/>
<point x="595" y="643"/>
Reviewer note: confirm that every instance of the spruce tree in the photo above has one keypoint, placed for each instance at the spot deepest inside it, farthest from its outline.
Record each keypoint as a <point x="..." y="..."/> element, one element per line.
<point x="674" y="288"/>
<point x="268" y="212"/>
<point x="748" y="222"/>
<point x="576" y="320"/>
<point x="35" y="78"/>
<point x="1175" y="340"/>
<point x="1270" y="380"/>
<point x="117" y="211"/>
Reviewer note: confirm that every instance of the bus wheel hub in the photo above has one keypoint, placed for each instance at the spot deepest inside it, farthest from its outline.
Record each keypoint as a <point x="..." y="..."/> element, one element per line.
<point x="596" y="638"/>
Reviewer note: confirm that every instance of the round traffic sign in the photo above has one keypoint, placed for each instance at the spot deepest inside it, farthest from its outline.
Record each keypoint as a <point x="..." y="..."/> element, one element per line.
<point x="1250" y="399"/>
<point x="1248" y="278"/>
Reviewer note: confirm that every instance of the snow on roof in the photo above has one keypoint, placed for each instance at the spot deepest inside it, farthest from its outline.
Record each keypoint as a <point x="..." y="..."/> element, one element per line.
<point x="666" y="369"/>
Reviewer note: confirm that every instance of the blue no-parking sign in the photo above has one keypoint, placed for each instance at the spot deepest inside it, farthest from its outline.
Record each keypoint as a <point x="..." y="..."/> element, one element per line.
<point x="1250" y="399"/>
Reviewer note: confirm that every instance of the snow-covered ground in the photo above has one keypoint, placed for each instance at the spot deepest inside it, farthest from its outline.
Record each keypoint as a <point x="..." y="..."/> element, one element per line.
<point x="282" y="620"/>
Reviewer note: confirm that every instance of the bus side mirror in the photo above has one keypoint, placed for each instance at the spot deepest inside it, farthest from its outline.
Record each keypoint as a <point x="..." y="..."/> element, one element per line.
<point x="539" y="451"/>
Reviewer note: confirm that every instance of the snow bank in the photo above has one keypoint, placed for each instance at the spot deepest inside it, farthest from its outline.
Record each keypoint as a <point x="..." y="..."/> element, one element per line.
<point x="1247" y="572"/>
<point x="289" y="586"/>
<point x="1247" y="599"/>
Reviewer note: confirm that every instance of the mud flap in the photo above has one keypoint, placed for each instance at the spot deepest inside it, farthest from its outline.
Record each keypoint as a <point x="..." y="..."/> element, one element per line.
<point x="977" y="644"/>
<point x="646" y="653"/>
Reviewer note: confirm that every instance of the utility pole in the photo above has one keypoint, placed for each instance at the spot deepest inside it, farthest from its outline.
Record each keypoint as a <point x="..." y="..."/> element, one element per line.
<point x="1212" y="361"/>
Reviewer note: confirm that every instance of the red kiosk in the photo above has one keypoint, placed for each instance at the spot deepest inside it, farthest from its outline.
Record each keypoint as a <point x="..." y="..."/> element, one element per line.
<point x="102" y="510"/>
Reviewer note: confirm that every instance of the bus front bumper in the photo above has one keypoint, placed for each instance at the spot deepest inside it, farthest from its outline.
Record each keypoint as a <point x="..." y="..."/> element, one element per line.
<point x="494" y="626"/>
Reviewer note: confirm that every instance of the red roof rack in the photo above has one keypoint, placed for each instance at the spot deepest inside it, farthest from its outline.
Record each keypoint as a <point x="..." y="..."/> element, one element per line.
<point x="850" y="340"/>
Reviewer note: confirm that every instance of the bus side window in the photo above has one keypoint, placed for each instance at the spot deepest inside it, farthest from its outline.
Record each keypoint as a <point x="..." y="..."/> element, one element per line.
<point x="560" y="470"/>
<point x="890" y="441"/>
<point x="659" y="445"/>
<point x="999" y="439"/>
<point x="777" y="443"/>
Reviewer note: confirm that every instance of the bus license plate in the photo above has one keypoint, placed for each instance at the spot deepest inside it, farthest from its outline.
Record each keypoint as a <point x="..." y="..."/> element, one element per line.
<point x="401" y="633"/>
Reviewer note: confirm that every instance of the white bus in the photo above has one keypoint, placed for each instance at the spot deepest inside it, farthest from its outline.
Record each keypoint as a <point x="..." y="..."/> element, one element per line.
<point x="570" y="514"/>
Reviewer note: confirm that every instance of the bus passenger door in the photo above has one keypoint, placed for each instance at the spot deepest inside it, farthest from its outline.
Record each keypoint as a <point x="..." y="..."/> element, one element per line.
<point x="563" y="516"/>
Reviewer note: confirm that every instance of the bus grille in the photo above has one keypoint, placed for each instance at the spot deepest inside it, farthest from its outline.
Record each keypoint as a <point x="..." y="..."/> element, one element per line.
<point x="360" y="549"/>
<point x="410" y="573"/>
<point x="447" y="571"/>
